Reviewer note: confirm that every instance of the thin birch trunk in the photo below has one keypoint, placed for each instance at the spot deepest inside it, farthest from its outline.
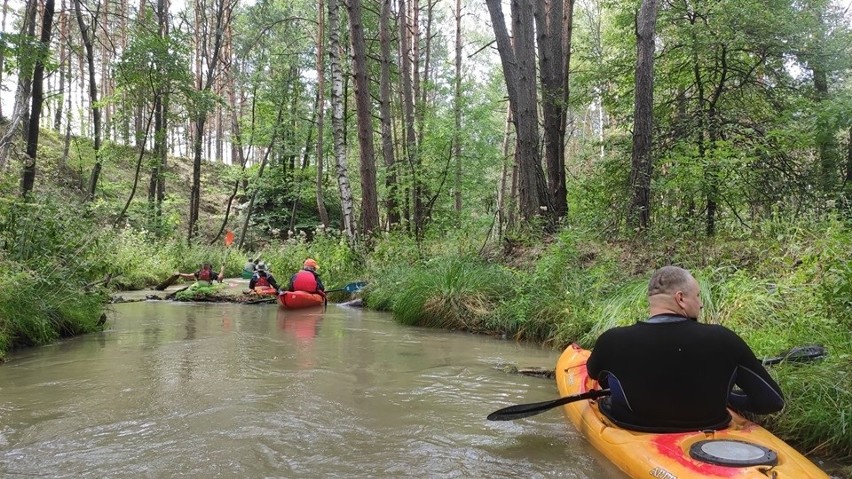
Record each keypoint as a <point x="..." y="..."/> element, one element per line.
<point x="320" y="112"/>
<point x="386" y="116"/>
<point x="457" y="109"/>
<point x="338" y="121"/>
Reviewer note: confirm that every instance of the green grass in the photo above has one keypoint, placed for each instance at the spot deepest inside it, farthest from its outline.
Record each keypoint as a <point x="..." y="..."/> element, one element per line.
<point x="450" y="292"/>
<point x="818" y="414"/>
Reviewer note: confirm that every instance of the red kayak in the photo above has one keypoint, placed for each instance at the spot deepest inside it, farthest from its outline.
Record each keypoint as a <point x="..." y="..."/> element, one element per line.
<point x="264" y="291"/>
<point x="300" y="299"/>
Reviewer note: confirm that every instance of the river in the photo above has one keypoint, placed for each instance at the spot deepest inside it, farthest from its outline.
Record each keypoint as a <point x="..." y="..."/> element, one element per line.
<point x="226" y="390"/>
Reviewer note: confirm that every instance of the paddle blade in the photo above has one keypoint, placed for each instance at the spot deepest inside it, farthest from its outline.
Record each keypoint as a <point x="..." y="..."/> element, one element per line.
<point x="356" y="286"/>
<point x="229" y="238"/>
<point x="799" y="354"/>
<point x="520" y="411"/>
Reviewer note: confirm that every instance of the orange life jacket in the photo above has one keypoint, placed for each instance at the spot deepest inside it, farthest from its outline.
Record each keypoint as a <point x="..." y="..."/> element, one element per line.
<point x="305" y="281"/>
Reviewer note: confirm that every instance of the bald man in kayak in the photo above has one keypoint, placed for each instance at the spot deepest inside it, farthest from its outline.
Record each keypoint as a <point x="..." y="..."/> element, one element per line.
<point x="670" y="373"/>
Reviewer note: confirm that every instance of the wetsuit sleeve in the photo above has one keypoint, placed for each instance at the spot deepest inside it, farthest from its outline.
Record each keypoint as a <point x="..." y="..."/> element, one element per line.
<point x="290" y="286"/>
<point x="760" y="393"/>
<point x="252" y="281"/>
<point x="320" y="286"/>
<point x="273" y="283"/>
<point x="597" y="360"/>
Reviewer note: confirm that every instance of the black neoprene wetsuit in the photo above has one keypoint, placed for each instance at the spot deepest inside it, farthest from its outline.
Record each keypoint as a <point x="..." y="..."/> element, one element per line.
<point x="677" y="375"/>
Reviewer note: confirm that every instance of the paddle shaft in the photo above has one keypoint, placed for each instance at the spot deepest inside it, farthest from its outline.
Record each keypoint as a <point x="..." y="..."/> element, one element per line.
<point x="349" y="288"/>
<point x="520" y="411"/>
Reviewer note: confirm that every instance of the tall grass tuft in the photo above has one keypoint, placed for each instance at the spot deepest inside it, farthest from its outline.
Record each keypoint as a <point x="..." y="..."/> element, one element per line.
<point x="45" y="265"/>
<point x="452" y="292"/>
<point x="818" y="412"/>
<point x="626" y="306"/>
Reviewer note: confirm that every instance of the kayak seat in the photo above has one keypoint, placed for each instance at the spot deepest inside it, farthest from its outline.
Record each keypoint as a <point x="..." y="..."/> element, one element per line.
<point x="606" y="408"/>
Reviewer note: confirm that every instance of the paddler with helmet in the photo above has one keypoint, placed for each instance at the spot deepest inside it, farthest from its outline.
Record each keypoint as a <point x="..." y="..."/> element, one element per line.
<point x="307" y="279"/>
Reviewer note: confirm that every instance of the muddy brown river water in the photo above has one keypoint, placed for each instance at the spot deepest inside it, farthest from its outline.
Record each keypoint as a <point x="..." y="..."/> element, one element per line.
<point x="228" y="390"/>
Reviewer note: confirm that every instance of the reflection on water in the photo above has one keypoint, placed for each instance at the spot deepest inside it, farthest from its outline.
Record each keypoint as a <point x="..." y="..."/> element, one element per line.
<point x="302" y="325"/>
<point x="213" y="390"/>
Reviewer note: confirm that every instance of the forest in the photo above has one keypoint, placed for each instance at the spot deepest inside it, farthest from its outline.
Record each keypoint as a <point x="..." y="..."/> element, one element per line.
<point x="509" y="168"/>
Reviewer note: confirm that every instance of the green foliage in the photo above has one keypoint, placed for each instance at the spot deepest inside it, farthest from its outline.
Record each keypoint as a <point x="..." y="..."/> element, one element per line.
<point x="198" y="291"/>
<point x="447" y="291"/>
<point x="818" y="399"/>
<point x="153" y="66"/>
<point x="45" y="259"/>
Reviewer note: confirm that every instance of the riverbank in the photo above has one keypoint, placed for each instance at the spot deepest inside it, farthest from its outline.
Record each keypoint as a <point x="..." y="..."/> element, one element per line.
<point x="231" y="289"/>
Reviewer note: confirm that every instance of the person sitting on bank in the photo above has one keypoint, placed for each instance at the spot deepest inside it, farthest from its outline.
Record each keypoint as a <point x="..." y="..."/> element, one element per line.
<point x="262" y="277"/>
<point x="307" y="279"/>
<point x="670" y="373"/>
<point x="206" y="273"/>
<point x="250" y="267"/>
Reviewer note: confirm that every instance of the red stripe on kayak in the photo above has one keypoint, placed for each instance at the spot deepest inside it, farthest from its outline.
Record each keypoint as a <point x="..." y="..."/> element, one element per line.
<point x="669" y="446"/>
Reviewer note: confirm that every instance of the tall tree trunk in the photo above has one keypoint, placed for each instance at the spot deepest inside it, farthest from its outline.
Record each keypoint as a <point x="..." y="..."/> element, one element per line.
<point x="106" y="75"/>
<point x="413" y="29"/>
<point x="457" y="109"/>
<point x="385" y="111"/>
<point x="2" y="52"/>
<point x="124" y="127"/>
<point x="714" y="128"/>
<point x="25" y="78"/>
<point x="701" y="127"/>
<point x="118" y="219"/>
<point x="21" y="110"/>
<point x="641" y="167"/>
<point x="63" y="41"/>
<point x="369" y="201"/>
<point x="549" y="17"/>
<point x="28" y="177"/>
<point x="517" y="57"/>
<point x="427" y="68"/>
<point x="338" y="121"/>
<point x="323" y="212"/>
<point x="93" y="97"/>
<point x="156" y="185"/>
<point x="503" y="206"/>
<point x="204" y="83"/>
<point x="408" y="96"/>
<point x="139" y="112"/>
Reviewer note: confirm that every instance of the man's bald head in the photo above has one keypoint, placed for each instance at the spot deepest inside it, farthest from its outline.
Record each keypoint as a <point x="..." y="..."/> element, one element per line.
<point x="669" y="280"/>
<point x="673" y="290"/>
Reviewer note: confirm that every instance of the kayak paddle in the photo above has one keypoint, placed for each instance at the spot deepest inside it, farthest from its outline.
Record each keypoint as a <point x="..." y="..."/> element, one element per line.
<point x="520" y="411"/>
<point x="350" y="288"/>
<point x="799" y="354"/>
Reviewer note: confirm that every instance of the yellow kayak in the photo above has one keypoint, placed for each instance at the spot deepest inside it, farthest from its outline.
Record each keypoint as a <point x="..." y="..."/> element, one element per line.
<point x="728" y="453"/>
